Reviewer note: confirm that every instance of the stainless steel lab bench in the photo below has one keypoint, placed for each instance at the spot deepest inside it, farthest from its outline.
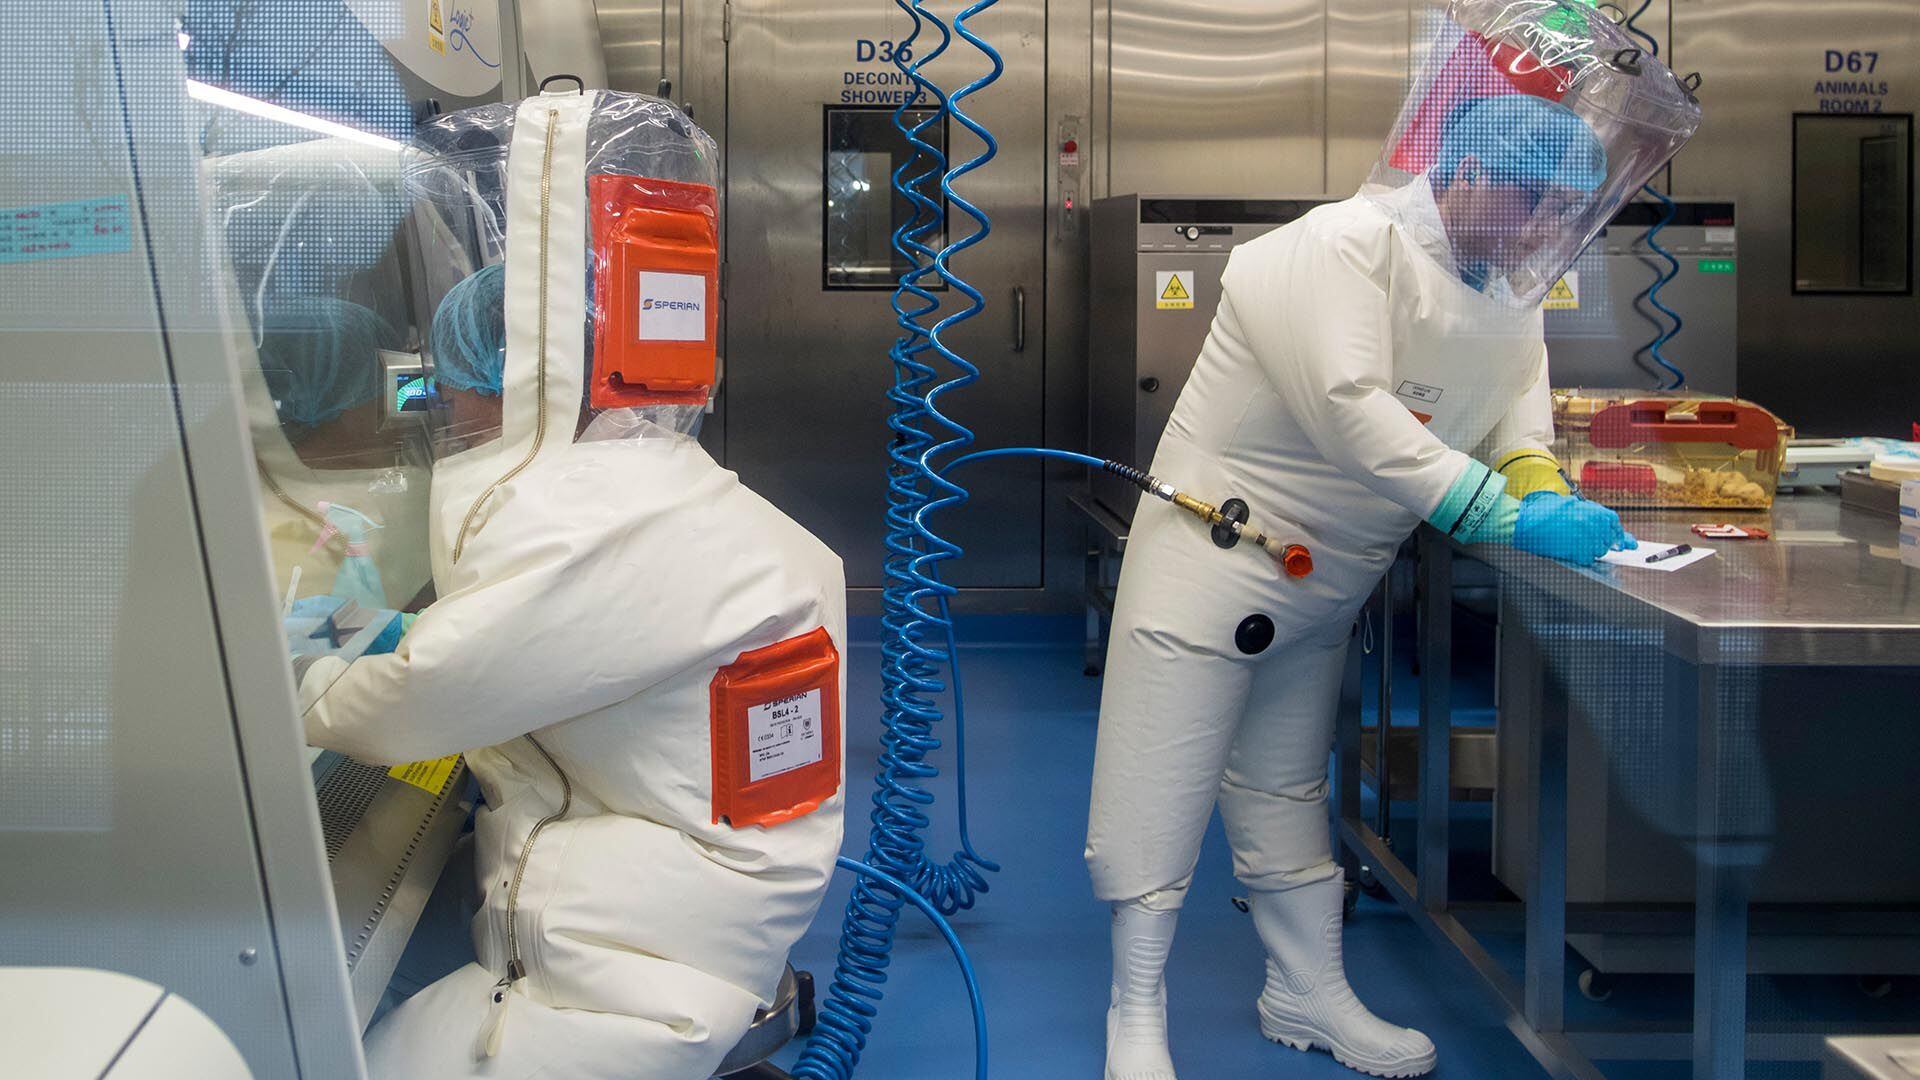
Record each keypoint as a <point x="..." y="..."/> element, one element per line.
<point x="1828" y="591"/>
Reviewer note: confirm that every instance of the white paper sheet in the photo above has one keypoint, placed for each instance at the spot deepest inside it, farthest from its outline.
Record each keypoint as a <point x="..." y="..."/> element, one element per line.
<point x="1637" y="557"/>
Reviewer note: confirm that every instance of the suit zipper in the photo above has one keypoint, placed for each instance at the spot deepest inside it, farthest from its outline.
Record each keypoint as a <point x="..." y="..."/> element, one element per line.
<point x="490" y="1033"/>
<point x="516" y="968"/>
<point x="540" y="414"/>
<point x="492" y="1030"/>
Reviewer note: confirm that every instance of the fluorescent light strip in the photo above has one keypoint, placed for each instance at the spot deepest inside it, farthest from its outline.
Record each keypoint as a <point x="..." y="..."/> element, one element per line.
<point x="214" y="95"/>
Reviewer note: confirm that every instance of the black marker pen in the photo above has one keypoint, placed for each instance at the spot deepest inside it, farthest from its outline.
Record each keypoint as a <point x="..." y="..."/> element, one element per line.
<point x="1671" y="553"/>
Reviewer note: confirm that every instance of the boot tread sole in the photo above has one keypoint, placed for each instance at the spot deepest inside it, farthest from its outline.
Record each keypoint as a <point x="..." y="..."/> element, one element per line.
<point x="1420" y="1066"/>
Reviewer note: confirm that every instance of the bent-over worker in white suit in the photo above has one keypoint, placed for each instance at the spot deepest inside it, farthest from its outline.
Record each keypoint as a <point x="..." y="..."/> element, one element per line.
<point x="1377" y="363"/>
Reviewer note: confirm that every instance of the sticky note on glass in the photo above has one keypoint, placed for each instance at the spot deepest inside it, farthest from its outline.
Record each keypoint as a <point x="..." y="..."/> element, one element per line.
<point x="428" y="776"/>
<point x="65" y="230"/>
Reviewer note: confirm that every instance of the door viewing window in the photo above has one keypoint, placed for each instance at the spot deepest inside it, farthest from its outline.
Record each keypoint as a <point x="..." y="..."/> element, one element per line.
<point x="1852" y="204"/>
<point x="862" y="212"/>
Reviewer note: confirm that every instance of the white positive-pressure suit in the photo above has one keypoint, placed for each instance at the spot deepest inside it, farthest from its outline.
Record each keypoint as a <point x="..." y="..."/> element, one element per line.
<point x="1335" y="337"/>
<point x="1362" y="362"/>
<point x="596" y="593"/>
<point x="1367" y="364"/>
<point x="1348" y="376"/>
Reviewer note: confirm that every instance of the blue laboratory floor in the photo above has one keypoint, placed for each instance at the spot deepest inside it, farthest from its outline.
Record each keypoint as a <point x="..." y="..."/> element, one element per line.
<point x="1039" y="939"/>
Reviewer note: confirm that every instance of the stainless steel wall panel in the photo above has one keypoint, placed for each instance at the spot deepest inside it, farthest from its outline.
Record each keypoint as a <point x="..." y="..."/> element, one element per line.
<point x="1828" y="364"/>
<point x="1100" y="100"/>
<point x="673" y="46"/>
<point x="1071" y="42"/>
<point x="1368" y="47"/>
<point x="1237" y="84"/>
<point x="702" y="86"/>
<point x="633" y="37"/>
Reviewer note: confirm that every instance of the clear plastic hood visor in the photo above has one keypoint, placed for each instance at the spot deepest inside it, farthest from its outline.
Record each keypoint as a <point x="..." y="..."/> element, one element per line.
<point x="1527" y="127"/>
<point x="643" y="206"/>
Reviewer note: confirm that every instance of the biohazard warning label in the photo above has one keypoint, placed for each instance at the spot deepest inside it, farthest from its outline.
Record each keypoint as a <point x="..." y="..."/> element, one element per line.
<point x="783" y="735"/>
<point x="1565" y="294"/>
<point x="1174" y="289"/>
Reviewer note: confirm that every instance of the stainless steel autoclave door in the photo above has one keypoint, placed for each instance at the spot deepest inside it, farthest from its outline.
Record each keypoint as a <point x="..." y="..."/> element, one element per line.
<point x="810" y="151"/>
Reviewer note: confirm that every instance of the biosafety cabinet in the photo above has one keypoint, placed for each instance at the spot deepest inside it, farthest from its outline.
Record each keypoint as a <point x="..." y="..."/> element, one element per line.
<point x="165" y="557"/>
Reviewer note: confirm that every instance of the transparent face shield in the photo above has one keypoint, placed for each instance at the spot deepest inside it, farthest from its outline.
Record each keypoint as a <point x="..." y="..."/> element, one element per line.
<point x="1528" y="126"/>
<point x="650" y="275"/>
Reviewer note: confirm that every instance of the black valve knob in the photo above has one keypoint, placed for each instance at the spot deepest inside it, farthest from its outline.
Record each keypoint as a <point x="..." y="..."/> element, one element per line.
<point x="1150" y="384"/>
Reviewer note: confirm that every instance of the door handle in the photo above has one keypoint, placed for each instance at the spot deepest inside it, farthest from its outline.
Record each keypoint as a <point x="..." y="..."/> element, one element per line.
<point x="1019" y="319"/>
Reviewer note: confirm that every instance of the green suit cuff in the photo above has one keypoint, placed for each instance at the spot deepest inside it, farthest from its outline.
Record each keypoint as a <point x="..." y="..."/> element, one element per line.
<point x="1477" y="508"/>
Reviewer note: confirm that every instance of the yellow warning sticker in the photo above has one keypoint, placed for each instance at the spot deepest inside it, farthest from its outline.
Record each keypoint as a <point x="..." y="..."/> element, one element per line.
<point x="1565" y="294"/>
<point x="1174" y="290"/>
<point x="428" y="776"/>
<point x="436" y="29"/>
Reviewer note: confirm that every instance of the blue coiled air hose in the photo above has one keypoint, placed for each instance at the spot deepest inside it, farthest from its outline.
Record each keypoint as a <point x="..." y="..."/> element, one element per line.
<point x="1656" y="349"/>
<point x="882" y="878"/>
<point x="917" y="640"/>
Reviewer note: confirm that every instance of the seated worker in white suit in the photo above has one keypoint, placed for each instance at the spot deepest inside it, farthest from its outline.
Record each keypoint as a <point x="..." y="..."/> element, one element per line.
<point x="1377" y="363"/>
<point x="639" y="657"/>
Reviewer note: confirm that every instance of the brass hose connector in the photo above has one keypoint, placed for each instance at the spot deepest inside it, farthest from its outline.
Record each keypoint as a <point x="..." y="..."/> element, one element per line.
<point x="1295" y="560"/>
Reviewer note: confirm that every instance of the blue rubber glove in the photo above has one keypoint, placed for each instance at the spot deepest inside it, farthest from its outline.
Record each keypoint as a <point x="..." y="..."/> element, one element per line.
<point x="1568" y="528"/>
<point x="389" y="639"/>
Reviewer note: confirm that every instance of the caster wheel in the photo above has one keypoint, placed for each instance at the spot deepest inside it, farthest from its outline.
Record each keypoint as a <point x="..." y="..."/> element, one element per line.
<point x="1594" y="986"/>
<point x="1876" y="987"/>
<point x="1351" y="902"/>
<point x="1370" y="885"/>
<point x="809" y="1014"/>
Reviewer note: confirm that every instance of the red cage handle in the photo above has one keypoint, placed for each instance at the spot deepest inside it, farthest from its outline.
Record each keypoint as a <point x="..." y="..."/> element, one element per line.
<point x="1747" y="427"/>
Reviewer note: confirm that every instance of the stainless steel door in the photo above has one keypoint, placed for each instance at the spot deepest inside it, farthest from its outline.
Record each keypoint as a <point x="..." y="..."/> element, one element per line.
<point x="1834" y="363"/>
<point x="806" y="357"/>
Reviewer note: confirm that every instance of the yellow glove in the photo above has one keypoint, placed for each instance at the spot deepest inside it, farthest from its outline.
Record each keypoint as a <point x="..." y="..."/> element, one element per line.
<point x="1529" y="470"/>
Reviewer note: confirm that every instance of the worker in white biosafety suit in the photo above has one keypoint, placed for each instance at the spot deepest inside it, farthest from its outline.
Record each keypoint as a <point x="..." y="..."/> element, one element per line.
<point x="1376" y="363"/>
<point x="639" y="657"/>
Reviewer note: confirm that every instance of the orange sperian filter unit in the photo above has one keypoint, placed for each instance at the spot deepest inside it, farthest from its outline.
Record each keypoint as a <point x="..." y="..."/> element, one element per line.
<point x="656" y="291"/>
<point x="776" y="731"/>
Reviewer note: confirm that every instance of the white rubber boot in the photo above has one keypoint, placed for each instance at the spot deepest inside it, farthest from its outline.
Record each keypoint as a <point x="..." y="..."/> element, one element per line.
<point x="1137" y="1009"/>
<point x="1307" y="1003"/>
